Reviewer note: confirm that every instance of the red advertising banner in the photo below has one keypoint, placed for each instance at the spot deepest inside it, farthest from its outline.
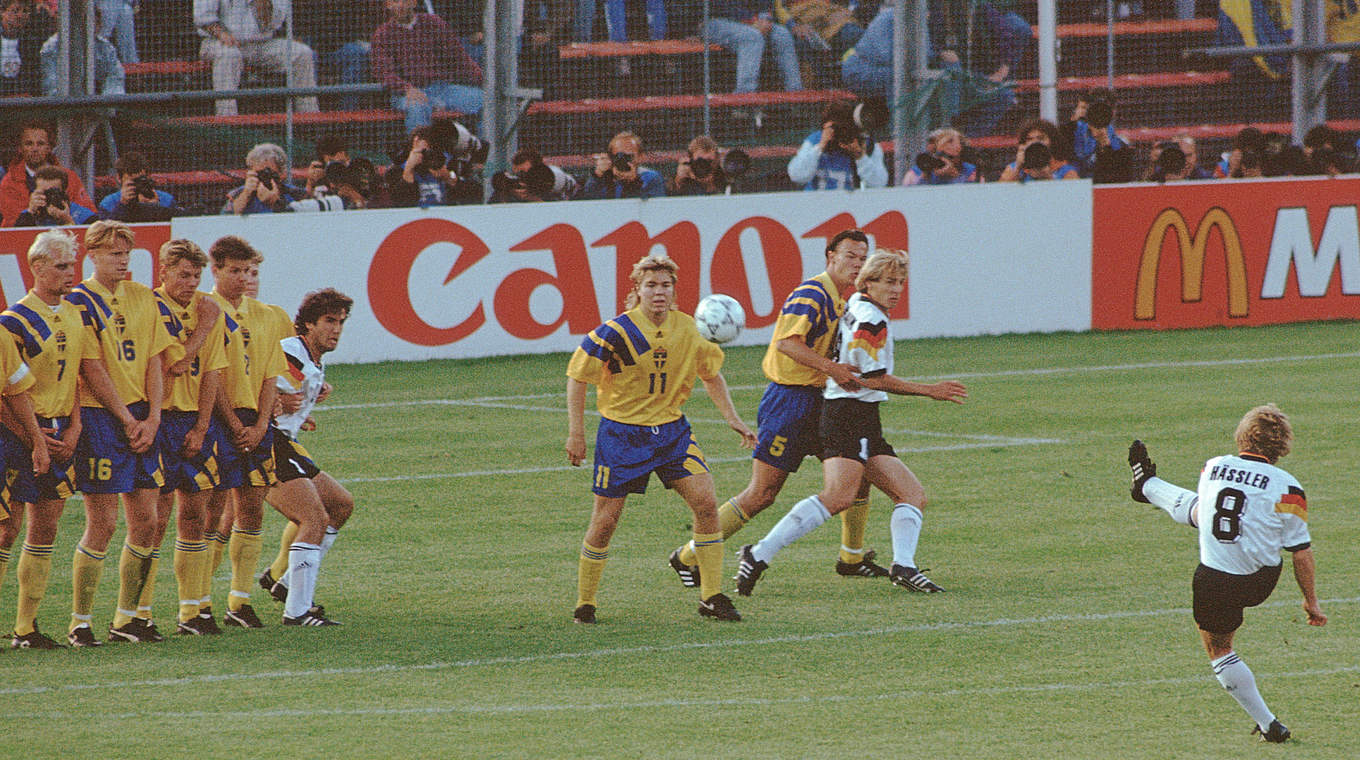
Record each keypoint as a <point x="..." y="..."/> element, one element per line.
<point x="1240" y="253"/>
<point x="15" y="277"/>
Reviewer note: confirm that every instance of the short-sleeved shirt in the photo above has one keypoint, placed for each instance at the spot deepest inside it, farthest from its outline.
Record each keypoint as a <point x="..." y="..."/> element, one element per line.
<point x="17" y="376"/>
<point x="810" y="313"/>
<point x="182" y="392"/>
<point x="644" y="371"/>
<point x="52" y="341"/>
<point x="128" y="325"/>
<point x="1249" y="510"/>
<point x="865" y="343"/>
<point x="303" y="376"/>
<point x="252" y="357"/>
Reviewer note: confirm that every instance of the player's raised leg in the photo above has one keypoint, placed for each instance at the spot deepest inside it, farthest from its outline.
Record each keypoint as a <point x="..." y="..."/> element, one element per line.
<point x="1147" y="488"/>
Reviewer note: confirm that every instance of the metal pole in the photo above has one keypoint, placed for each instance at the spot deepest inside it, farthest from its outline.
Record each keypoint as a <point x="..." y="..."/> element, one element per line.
<point x="1309" y="84"/>
<point x="1048" y="60"/>
<point x="491" y="126"/>
<point x="1109" y="44"/>
<point x="900" y="88"/>
<point x="708" y="72"/>
<point x="288" y="102"/>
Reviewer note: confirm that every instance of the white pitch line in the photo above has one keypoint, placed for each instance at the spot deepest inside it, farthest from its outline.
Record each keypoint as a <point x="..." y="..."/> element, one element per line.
<point x="626" y="651"/>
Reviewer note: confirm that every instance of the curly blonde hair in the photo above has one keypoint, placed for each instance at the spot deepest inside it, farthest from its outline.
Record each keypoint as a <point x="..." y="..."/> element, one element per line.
<point x="1265" y="430"/>
<point x="652" y="262"/>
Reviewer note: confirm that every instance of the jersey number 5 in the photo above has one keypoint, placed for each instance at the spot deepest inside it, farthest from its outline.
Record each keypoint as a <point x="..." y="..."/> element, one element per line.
<point x="1228" y="508"/>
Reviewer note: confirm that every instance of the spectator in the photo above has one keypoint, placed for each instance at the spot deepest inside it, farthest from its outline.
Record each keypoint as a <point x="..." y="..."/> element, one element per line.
<point x="994" y="40"/>
<point x="701" y="172"/>
<point x="1101" y="154"/>
<point x="620" y="173"/>
<point x="136" y="199"/>
<point x="1040" y="154"/>
<point x="331" y="146"/>
<point x="118" y="26"/>
<point x="942" y="163"/>
<point x="240" y="32"/>
<point x="108" y="69"/>
<point x="21" y="39"/>
<point x="747" y="27"/>
<point x="1167" y="163"/>
<point x="424" y="65"/>
<point x="49" y="205"/>
<point x="265" y="190"/>
<point x="1325" y="152"/>
<point x="335" y="175"/>
<point x="839" y="156"/>
<point x="530" y="180"/>
<point x="36" y="141"/>
<point x="424" y="178"/>
<point x="1249" y="143"/>
<point x="1190" y="148"/>
<point x="341" y="34"/>
<point x="823" y="32"/>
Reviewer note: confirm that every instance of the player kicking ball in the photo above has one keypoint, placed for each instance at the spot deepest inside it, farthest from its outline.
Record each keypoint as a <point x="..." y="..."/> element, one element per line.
<point x="852" y="433"/>
<point x="1246" y="511"/>
<point x="644" y="363"/>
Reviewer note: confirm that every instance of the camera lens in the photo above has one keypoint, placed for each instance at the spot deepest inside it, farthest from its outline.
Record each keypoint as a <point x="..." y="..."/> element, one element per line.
<point x="622" y="161"/>
<point x="701" y="168"/>
<point x="1037" y="157"/>
<point x="1099" y="114"/>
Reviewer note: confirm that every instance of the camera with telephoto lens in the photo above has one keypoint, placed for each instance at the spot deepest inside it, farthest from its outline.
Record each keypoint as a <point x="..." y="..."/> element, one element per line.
<point x="701" y="168"/>
<point x="622" y="162"/>
<point x="1037" y="157"/>
<point x="55" y="197"/>
<point x="735" y="163"/>
<point x="268" y="178"/>
<point x="930" y="163"/>
<point x="1170" y="161"/>
<point x="144" y="185"/>
<point x="458" y="141"/>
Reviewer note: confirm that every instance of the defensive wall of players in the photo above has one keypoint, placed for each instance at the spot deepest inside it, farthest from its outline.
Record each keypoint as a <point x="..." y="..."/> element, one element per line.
<point x="464" y="282"/>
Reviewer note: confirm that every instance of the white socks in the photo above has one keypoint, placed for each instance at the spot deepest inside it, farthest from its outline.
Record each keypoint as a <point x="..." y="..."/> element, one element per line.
<point x="1178" y="502"/>
<point x="906" y="532"/>
<point x="304" y="560"/>
<point x="1237" y="678"/>
<point x="805" y="516"/>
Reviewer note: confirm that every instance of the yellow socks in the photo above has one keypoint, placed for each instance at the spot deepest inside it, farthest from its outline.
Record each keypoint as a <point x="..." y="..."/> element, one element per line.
<point x="35" y="567"/>
<point x="133" y="565"/>
<point x="149" y="588"/>
<point x="280" y="566"/>
<point x="85" y="570"/>
<point x="708" y="552"/>
<point x="730" y="520"/>
<point x="217" y="545"/>
<point x="244" y="550"/>
<point x="588" y="573"/>
<point x="853" y="522"/>
<point x="191" y="562"/>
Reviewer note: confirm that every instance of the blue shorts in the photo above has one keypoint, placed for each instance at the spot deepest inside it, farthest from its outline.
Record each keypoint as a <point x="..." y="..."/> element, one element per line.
<point x="291" y="460"/>
<point x="625" y="455"/>
<point x="787" y="418"/>
<point x="59" y="482"/>
<point x="249" y="468"/>
<point x="190" y="474"/>
<point x="105" y="463"/>
<point x="19" y="486"/>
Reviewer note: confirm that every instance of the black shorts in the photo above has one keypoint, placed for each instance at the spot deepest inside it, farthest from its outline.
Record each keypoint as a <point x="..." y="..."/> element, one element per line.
<point x="1220" y="597"/>
<point x="291" y="460"/>
<point x="850" y="429"/>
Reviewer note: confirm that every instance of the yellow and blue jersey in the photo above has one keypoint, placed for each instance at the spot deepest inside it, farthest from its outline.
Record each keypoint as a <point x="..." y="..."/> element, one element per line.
<point x="811" y="313"/>
<point x="644" y="371"/>
<point x="128" y="324"/>
<point x="182" y="392"/>
<point x="252" y="356"/>
<point x="52" y="341"/>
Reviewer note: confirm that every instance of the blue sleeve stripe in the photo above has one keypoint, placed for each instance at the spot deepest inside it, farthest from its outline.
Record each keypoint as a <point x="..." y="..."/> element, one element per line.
<point x="172" y="323"/>
<point x="34" y="320"/>
<point x="595" y="350"/>
<point x="89" y="313"/>
<point x="15" y="325"/>
<point x="640" y="344"/>
<point x="617" y="342"/>
<point x="95" y="301"/>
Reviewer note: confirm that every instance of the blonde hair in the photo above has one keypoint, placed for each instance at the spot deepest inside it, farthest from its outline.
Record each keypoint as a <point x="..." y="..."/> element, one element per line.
<point x="50" y="243"/>
<point x="884" y="262"/>
<point x="934" y="138"/>
<point x="652" y="262"/>
<point x="105" y="231"/>
<point x="626" y="135"/>
<point x="702" y="142"/>
<point x="180" y="249"/>
<point x="1265" y="430"/>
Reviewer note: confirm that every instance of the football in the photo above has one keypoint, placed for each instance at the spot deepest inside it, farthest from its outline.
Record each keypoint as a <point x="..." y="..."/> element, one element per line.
<point x="719" y="318"/>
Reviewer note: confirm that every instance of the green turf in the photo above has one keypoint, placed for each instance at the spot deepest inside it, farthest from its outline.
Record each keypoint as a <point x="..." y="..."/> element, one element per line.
<point x="1065" y="632"/>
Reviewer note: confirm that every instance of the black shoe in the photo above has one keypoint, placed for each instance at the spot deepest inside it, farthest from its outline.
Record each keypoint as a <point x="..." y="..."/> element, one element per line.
<point x="83" y="637"/>
<point x="198" y="626"/>
<point x="275" y="587"/>
<point x="689" y="574"/>
<point x="313" y="617"/>
<point x="1276" y="733"/>
<point x="1142" y="467"/>
<point x="133" y="631"/>
<point x="243" y="618"/>
<point x="748" y="570"/>
<point x="151" y="634"/>
<point x="34" y="640"/>
<point x="206" y="622"/>
<point x="584" y="614"/>
<point x="913" y="579"/>
<point x="719" y="607"/>
<point x="865" y="568"/>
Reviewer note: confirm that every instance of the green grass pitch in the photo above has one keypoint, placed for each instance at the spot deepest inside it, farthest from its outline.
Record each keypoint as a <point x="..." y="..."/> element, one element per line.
<point x="1065" y="632"/>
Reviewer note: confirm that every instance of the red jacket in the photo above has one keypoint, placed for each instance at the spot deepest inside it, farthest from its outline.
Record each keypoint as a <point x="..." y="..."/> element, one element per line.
<point x="14" y="192"/>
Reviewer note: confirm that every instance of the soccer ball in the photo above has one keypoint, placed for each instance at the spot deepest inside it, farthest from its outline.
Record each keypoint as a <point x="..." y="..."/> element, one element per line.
<point x="719" y="318"/>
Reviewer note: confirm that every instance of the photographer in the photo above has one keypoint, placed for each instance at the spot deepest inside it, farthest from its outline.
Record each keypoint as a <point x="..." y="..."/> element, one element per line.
<point x="1249" y="145"/>
<point x="841" y="155"/>
<point x="329" y="147"/>
<point x="343" y="186"/>
<point x="264" y="191"/>
<point x="701" y="173"/>
<point x="136" y="199"/>
<point x="1325" y="152"/>
<point x="530" y="180"/>
<point x="437" y="167"/>
<point x="620" y="173"/>
<point x="942" y="162"/>
<point x="1100" y="153"/>
<point x="1039" y="155"/>
<point x="1168" y="163"/>
<point x="49" y="205"/>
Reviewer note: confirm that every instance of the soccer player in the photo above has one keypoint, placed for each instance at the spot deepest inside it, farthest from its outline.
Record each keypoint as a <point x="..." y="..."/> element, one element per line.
<point x="852" y="434"/>
<point x="47" y="329"/>
<point x="1246" y="510"/>
<point x="245" y="405"/>
<point x="644" y="363"/>
<point x="120" y="398"/>
<point x="188" y="433"/>
<point x="797" y="363"/>
<point x="303" y="489"/>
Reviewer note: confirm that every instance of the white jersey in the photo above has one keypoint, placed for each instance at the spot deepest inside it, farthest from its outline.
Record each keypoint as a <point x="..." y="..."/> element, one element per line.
<point x="865" y="343"/>
<point x="303" y="376"/>
<point x="1248" y="511"/>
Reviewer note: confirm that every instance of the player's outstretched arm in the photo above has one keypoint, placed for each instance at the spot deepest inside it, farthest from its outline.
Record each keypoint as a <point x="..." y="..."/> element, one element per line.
<point x="717" y="390"/>
<point x="1305" y="570"/>
<point x="844" y="375"/>
<point x="576" y="422"/>
<point x="945" y="390"/>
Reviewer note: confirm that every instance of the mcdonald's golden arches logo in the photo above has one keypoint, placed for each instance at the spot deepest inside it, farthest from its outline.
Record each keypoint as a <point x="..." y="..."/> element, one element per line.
<point x="1192" y="250"/>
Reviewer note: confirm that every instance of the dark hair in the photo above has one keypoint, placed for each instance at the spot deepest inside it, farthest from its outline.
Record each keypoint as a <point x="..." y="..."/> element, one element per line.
<point x="850" y="234"/>
<point x="526" y="154"/>
<point x="233" y="248"/>
<point x="53" y="172"/>
<point x="1250" y="138"/>
<point x="46" y="126"/>
<point x="130" y="163"/>
<point x="331" y="143"/>
<point x="318" y="304"/>
<point x="1043" y="125"/>
<point x="1321" y="136"/>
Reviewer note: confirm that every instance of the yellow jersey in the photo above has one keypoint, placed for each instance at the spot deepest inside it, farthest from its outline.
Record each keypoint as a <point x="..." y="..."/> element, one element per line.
<point x="252" y="357"/>
<point x="644" y="371"/>
<point x="812" y="312"/>
<point x="128" y="326"/>
<point x="17" y="376"/>
<point x="52" y="341"/>
<point x="182" y="392"/>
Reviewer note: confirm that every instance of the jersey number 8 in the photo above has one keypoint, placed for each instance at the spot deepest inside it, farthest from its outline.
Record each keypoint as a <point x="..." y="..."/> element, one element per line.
<point x="1228" y="508"/>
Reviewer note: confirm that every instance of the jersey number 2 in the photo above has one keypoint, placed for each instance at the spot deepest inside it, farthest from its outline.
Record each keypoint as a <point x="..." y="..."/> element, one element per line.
<point x="1228" y="514"/>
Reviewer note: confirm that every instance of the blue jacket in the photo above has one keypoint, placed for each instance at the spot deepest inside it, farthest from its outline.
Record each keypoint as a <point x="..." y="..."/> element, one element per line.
<point x="649" y="184"/>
